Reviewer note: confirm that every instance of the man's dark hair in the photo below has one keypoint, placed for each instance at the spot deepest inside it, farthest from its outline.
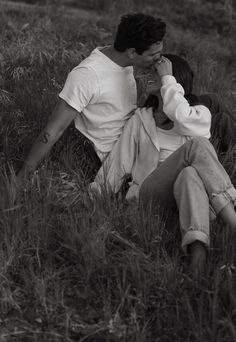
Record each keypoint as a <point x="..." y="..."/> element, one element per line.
<point x="138" y="31"/>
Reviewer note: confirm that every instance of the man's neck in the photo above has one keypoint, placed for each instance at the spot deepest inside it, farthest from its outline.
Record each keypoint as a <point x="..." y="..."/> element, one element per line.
<point x="117" y="57"/>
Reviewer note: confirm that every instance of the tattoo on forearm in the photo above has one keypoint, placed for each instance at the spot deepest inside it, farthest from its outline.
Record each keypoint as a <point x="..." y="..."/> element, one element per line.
<point x="44" y="138"/>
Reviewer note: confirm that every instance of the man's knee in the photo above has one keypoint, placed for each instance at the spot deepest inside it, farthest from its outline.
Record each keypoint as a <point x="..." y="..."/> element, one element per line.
<point x="211" y="101"/>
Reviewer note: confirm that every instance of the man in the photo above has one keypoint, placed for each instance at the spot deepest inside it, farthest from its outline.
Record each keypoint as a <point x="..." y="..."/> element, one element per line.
<point x="100" y="93"/>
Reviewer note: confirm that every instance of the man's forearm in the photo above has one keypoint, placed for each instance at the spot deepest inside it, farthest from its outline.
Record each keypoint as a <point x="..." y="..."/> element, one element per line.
<point x="40" y="148"/>
<point x="61" y="117"/>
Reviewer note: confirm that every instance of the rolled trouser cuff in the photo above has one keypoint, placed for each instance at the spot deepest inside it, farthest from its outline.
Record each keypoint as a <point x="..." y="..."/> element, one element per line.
<point x="222" y="199"/>
<point x="195" y="235"/>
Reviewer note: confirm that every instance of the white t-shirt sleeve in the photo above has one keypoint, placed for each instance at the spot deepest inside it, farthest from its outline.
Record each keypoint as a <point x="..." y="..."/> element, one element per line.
<point x="80" y="89"/>
<point x="190" y="120"/>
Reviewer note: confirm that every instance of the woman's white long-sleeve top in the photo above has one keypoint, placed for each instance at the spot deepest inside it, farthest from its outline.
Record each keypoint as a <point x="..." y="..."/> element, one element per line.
<point x="137" y="151"/>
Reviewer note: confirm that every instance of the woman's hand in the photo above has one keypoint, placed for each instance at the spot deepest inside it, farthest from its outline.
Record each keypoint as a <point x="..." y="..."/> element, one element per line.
<point x="164" y="67"/>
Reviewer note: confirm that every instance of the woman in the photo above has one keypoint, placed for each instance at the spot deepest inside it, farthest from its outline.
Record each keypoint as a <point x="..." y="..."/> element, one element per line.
<point x="165" y="149"/>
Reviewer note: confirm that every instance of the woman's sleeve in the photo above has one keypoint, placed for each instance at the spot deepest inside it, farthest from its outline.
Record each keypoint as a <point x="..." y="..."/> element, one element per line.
<point x="189" y="120"/>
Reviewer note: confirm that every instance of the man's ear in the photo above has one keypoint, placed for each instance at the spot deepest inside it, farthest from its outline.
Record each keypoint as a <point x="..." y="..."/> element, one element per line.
<point x="131" y="52"/>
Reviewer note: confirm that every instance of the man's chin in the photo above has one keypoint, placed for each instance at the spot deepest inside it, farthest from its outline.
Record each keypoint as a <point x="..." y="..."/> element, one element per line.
<point x="148" y="65"/>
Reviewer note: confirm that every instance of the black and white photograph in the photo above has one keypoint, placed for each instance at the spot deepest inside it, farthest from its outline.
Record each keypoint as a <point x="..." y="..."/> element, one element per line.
<point x="118" y="170"/>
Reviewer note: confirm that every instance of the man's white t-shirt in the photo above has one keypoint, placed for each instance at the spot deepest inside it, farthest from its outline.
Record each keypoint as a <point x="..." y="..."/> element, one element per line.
<point x="104" y="94"/>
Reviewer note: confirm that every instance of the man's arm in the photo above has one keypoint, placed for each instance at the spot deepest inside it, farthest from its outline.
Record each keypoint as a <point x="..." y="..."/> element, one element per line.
<point x="62" y="116"/>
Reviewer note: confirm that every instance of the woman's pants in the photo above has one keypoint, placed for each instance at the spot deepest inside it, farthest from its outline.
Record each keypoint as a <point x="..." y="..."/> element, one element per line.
<point x="193" y="178"/>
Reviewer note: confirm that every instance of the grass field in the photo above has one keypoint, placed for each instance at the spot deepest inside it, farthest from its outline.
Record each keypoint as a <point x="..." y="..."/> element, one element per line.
<point x="72" y="269"/>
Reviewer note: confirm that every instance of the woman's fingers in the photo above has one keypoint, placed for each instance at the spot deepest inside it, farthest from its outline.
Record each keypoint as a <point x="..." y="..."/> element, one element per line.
<point x="164" y="66"/>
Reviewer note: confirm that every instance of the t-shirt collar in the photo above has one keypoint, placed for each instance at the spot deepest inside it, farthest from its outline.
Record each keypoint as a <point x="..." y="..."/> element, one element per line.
<point x="108" y="60"/>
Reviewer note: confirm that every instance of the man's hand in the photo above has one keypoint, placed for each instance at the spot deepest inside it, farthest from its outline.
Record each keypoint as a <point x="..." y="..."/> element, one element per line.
<point x="23" y="176"/>
<point x="164" y="67"/>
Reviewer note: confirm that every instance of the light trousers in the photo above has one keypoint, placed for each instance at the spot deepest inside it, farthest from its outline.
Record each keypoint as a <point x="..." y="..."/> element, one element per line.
<point x="193" y="179"/>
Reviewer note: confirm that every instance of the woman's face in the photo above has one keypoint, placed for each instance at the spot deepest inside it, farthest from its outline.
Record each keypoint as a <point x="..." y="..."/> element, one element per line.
<point x="154" y="86"/>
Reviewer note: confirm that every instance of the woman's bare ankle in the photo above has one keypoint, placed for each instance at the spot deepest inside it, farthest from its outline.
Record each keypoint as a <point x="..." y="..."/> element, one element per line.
<point x="228" y="216"/>
<point x="197" y="259"/>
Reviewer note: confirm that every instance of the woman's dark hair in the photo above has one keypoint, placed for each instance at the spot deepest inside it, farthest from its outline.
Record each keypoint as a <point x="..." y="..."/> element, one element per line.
<point x="138" y="31"/>
<point x="183" y="75"/>
<point x="152" y="101"/>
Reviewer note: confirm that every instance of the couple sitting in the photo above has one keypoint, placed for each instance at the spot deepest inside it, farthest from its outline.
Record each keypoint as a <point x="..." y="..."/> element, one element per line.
<point x="165" y="148"/>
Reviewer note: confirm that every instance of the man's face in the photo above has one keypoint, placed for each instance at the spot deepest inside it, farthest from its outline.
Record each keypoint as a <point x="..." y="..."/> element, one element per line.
<point x="149" y="57"/>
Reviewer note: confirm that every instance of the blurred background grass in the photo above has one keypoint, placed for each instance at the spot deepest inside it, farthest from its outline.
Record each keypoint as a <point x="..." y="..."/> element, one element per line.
<point x="75" y="269"/>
